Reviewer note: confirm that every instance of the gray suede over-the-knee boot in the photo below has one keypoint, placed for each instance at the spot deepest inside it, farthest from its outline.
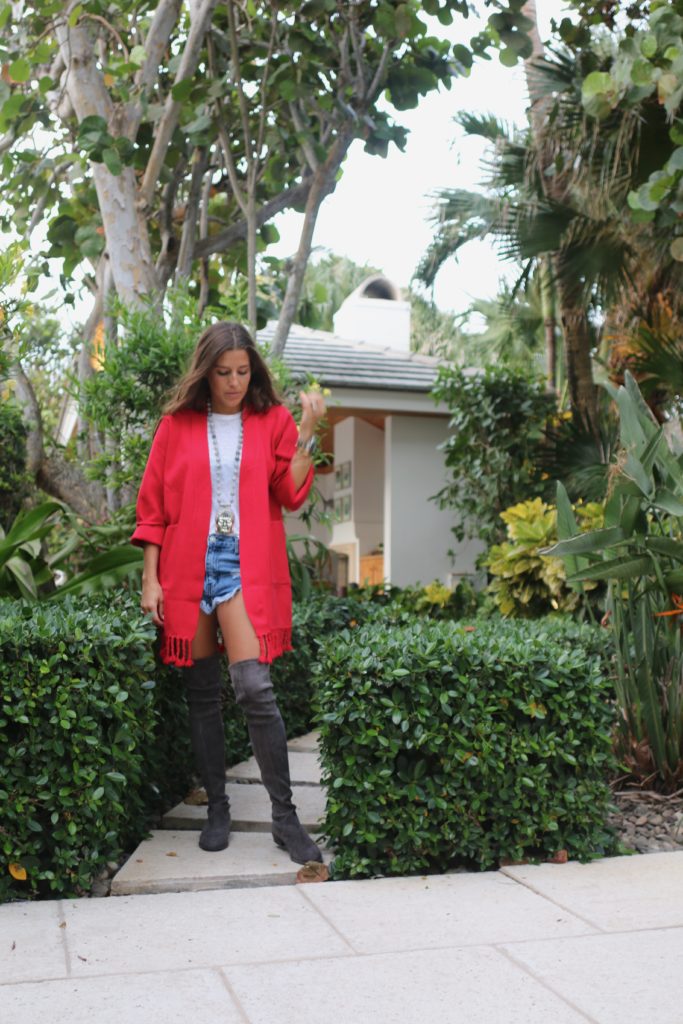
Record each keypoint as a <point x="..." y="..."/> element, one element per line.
<point x="203" y="682"/>
<point x="254" y="693"/>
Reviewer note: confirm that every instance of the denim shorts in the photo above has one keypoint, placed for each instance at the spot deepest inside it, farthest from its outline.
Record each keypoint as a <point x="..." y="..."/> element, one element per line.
<point x="222" y="573"/>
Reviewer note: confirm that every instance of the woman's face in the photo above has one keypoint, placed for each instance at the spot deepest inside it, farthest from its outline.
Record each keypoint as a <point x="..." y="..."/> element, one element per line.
<point x="229" y="380"/>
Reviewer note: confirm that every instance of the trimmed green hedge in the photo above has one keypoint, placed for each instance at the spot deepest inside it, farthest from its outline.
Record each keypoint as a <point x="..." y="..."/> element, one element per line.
<point x="443" y="746"/>
<point x="92" y="741"/>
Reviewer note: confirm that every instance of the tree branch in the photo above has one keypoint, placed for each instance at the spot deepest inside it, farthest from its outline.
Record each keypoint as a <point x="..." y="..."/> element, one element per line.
<point x="171" y="114"/>
<point x="237" y="81"/>
<point x="32" y="417"/>
<point x="305" y="142"/>
<point x="323" y="183"/>
<point x="156" y="41"/>
<point x="378" y="80"/>
<point x="203" y="233"/>
<point x="39" y="208"/>
<point x="221" y="241"/>
<point x="167" y="251"/>
<point x="200" y="162"/>
<point x="56" y="476"/>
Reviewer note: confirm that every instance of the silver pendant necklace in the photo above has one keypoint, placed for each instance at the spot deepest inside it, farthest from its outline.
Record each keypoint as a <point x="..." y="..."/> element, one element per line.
<point x="225" y="519"/>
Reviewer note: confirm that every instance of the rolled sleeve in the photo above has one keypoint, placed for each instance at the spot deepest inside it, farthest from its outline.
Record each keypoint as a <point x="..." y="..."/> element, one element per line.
<point x="281" y="483"/>
<point x="149" y="510"/>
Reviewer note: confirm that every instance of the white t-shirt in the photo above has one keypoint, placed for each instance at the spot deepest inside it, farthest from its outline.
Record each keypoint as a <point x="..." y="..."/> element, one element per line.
<point x="227" y="427"/>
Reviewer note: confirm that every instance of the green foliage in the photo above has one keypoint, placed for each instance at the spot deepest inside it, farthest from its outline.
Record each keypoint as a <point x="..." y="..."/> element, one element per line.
<point x="23" y="565"/>
<point x="93" y="741"/>
<point x="327" y="282"/>
<point x="525" y="582"/>
<point x="497" y="420"/>
<point x="442" y="746"/>
<point x="291" y="113"/>
<point x="124" y="399"/>
<point x="513" y="332"/>
<point x="432" y="330"/>
<point x="580" y="456"/>
<point x="640" y="554"/>
<point x="644" y="74"/>
<point x="14" y="479"/>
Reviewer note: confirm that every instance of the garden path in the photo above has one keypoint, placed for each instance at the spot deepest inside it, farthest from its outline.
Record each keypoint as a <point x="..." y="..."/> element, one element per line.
<point x="171" y="861"/>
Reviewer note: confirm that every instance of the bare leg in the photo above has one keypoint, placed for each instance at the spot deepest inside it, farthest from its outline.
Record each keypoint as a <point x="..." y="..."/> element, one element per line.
<point x="204" y="643"/>
<point x="240" y="639"/>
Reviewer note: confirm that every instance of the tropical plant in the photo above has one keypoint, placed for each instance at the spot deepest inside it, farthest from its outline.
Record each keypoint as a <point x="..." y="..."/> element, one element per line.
<point x="496" y="426"/>
<point x="23" y="566"/>
<point x="639" y="553"/>
<point x="645" y="77"/>
<point x="514" y="330"/>
<point x="555" y="201"/>
<point x="581" y="457"/>
<point x="527" y="583"/>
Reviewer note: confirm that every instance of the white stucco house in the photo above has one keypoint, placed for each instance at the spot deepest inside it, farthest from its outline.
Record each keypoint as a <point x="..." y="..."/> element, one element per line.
<point x="385" y="429"/>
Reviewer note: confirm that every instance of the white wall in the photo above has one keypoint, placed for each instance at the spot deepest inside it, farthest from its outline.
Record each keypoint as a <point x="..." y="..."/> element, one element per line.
<point x="344" y="535"/>
<point x="384" y="322"/>
<point x="368" y="485"/>
<point x="417" y="533"/>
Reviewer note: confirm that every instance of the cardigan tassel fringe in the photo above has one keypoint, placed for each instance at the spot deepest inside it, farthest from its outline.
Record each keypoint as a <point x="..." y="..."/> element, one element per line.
<point x="176" y="650"/>
<point x="275" y="643"/>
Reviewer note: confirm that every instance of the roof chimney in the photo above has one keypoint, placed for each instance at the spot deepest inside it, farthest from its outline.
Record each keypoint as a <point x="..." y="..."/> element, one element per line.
<point x="376" y="314"/>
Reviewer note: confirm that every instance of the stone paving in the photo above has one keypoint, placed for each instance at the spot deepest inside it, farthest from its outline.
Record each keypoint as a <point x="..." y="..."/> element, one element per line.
<point x="600" y="943"/>
<point x="171" y="861"/>
<point x="529" y="944"/>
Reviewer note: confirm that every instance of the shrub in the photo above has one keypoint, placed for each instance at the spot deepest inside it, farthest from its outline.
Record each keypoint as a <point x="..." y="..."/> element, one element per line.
<point x="443" y="744"/>
<point x="496" y="427"/>
<point x="14" y="479"/>
<point x="92" y="741"/>
<point x="313" y="621"/>
<point x="525" y="581"/>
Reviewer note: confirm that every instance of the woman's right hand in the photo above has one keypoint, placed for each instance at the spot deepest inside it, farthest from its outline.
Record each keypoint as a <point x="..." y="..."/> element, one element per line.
<point x="152" y="601"/>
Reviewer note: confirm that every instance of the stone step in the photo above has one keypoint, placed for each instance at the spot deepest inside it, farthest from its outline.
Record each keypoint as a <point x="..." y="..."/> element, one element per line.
<point x="250" y="809"/>
<point x="304" y="769"/>
<point x="308" y="744"/>
<point x="172" y="862"/>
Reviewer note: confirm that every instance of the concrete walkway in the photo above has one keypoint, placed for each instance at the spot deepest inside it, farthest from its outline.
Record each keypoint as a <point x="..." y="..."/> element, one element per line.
<point x="568" y="943"/>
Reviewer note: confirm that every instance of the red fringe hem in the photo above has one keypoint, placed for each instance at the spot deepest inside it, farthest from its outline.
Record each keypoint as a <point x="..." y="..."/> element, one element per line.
<point x="275" y="643"/>
<point x="176" y="650"/>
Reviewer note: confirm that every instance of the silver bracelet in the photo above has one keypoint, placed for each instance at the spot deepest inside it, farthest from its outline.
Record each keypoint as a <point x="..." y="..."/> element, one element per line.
<point x="307" y="447"/>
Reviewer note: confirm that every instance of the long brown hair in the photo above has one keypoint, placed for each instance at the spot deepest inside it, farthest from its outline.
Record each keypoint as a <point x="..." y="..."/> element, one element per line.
<point x="192" y="390"/>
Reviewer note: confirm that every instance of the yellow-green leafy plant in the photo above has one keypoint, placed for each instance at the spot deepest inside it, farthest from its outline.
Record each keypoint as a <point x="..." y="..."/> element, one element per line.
<point x="527" y="583"/>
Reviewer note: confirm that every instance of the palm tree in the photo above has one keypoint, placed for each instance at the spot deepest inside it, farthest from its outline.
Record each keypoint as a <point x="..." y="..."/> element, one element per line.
<point x="555" y="201"/>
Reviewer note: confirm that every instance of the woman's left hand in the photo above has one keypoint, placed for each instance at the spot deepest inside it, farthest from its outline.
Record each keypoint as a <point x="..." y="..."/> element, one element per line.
<point x="312" y="411"/>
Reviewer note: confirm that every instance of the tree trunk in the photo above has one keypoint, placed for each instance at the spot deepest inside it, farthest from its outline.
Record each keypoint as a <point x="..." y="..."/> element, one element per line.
<point x="538" y="109"/>
<point x="251" y="260"/>
<point x="323" y="184"/>
<point x="583" y="395"/>
<point x="53" y="473"/>
<point x="124" y="229"/>
<point x="545" y="275"/>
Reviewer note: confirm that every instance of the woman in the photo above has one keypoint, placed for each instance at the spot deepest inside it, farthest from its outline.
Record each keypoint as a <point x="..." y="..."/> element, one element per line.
<point x="225" y="458"/>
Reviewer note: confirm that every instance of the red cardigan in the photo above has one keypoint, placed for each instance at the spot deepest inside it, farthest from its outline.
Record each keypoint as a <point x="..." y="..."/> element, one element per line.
<point x="174" y="507"/>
